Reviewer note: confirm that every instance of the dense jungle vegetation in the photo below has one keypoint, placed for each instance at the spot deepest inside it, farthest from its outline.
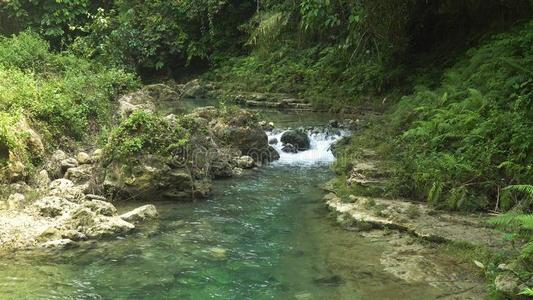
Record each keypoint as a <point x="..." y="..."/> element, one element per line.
<point x="452" y="79"/>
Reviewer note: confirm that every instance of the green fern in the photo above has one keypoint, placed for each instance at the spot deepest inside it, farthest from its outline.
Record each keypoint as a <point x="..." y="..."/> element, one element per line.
<point x="527" y="292"/>
<point x="522" y="188"/>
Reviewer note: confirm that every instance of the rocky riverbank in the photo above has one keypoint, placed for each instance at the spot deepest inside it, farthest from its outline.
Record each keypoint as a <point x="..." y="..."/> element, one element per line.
<point x="63" y="198"/>
<point x="416" y="231"/>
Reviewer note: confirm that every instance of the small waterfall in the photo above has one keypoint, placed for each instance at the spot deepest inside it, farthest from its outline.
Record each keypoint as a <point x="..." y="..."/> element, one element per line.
<point x="321" y="140"/>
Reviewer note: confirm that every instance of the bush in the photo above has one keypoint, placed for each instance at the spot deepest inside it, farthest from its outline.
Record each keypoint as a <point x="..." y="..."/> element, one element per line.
<point x="461" y="144"/>
<point x="66" y="96"/>
<point x="147" y="133"/>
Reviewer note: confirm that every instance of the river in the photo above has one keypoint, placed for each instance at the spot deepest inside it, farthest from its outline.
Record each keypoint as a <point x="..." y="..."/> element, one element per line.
<point x="265" y="235"/>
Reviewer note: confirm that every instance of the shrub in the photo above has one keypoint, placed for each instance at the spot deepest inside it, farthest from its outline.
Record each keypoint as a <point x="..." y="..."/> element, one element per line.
<point x="144" y="132"/>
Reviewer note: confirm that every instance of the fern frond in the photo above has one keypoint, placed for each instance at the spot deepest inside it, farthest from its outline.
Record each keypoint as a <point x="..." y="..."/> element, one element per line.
<point x="522" y="188"/>
<point x="527" y="250"/>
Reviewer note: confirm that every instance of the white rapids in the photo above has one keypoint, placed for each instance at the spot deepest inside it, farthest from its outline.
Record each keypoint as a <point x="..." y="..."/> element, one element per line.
<point x="319" y="153"/>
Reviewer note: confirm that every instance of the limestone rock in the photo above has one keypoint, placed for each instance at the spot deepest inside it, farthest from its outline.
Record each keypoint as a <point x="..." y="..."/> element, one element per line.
<point x="108" y="226"/>
<point x="66" y="189"/>
<point x="140" y="214"/>
<point x="245" y="162"/>
<point x="52" y="206"/>
<point x="83" y="158"/>
<point x="15" y="201"/>
<point x="97" y="155"/>
<point x="53" y="165"/>
<point x="195" y="90"/>
<point x="161" y="92"/>
<point x="101" y="207"/>
<point x="68" y="163"/>
<point x="80" y="175"/>
<point x="42" y="180"/>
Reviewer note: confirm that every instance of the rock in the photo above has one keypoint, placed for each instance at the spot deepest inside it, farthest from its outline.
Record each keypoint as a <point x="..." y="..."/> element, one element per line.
<point x="272" y="154"/>
<point x="80" y="175"/>
<point x="273" y="141"/>
<point x="53" y="166"/>
<point x="66" y="189"/>
<point x="161" y="92"/>
<point x="297" y="138"/>
<point x="68" y="163"/>
<point x="267" y="126"/>
<point x="140" y="100"/>
<point x="333" y="124"/>
<point x="289" y="148"/>
<point x="194" y="89"/>
<point x="81" y="218"/>
<point x="507" y="284"/>
<point x="140" y="214"/>
<point x="34" y="143"/>
<point x="149" y="178"/>
<point x="59" y="244"/>
<point x="237" y="172"/>
<point x="15" y="201"/>
<point x="73" y="235"/>
<point x="97" y="155"/>
<point x="245" y="162"/>
<point x="108" y="226"/>
<point x="101" y="207"/>
<point x="42" y="180"/>
<point x="242" y="132"/>
<point x="52" y="206"/>
<point x="17" y="171"/>
<point x="83" y="158"/>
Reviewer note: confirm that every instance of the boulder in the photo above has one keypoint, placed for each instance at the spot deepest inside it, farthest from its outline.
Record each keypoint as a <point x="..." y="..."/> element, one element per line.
<point x="149" y="177"/>
<point x="289" y="148"/>
<point x="140" y="100"/>
<point x="101" y="207"/>
<point x="83" y="158"/>
<point x="15" y="201"/>
<point x="508" y="284"/>
<point x="52" y="206"/>
<point x="68" y="163"/>
<point x="81" y="174"/>
<point x="42" y="180"/>
<point x="272" y="154"/>
<point x="161" y="92"/>
<point x="53" y="165"/>
<point x="194" y="90"/>
<point x="108" y="226"/>
<point x="297" y="138"/>
<point x="237" y="172"/>
<point x="66" y="189"/>
<point x="140" y="214"/>
<point x="34" y="143"/>
<point x="273" y="141"/>
<point x="97" y="155"/>
<point x="245" y="162"/>
<point x="16" y="171"/>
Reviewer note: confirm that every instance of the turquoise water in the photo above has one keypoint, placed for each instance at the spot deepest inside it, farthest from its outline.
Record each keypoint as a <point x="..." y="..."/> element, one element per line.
<point x="264" y="236"/>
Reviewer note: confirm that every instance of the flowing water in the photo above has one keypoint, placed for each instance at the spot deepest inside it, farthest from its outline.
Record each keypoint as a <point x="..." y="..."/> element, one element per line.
<point x="265" y="235"/>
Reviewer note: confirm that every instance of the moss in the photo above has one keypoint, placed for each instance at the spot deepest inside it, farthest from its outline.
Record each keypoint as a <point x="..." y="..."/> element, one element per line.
<point x="145" y="133"/>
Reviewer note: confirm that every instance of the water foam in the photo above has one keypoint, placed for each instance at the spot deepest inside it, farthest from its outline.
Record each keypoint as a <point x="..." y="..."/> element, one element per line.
<point x="319" y="153"/>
